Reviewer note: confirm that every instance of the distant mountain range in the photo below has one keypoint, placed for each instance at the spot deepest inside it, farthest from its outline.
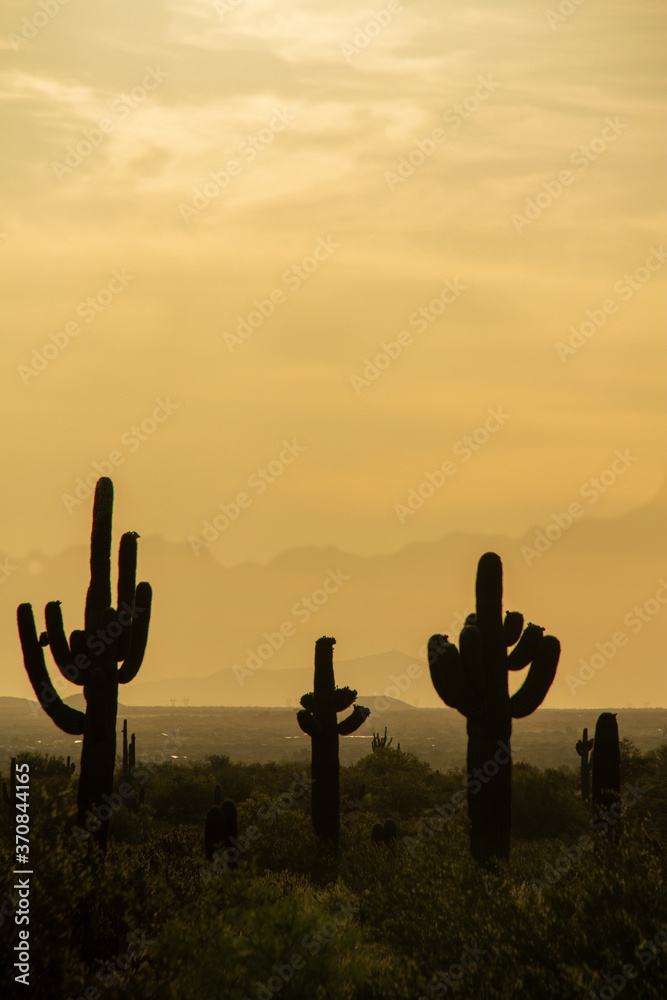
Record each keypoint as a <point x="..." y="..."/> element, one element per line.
<point x="245" y="635"/>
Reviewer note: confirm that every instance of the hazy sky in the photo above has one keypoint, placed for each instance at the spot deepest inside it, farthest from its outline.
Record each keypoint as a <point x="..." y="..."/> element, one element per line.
<point x="473" y="194"/>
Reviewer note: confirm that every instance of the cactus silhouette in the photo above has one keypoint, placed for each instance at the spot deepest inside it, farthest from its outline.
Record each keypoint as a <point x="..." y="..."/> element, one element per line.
<point x="9" y="794"/>
<point x="381" y="741"/>
<point x="386" y="834"/>
<point x="221" y="828"/>
<point x="126" y="762"/>
<point x="110" y="636"/>
<point x="583" y="748"/>
<point x="318" y="720"/>
<point x="606" y="762"/>
<point x="474" y="680"/>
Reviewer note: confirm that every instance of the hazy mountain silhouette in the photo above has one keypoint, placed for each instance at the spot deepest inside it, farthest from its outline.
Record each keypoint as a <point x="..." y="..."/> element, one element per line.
<point x="208" y="619"/>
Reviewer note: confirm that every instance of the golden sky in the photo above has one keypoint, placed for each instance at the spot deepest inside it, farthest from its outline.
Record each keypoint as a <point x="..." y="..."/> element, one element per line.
<point x="291" y="260"/>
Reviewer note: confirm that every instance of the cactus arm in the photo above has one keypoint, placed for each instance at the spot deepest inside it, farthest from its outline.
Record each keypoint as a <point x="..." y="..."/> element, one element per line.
<point x="308" y="723"/>
<point x="308" y="701"/>
<point x="540" y="677"/>
<point x="354" y="720"/>
<point x="60" y="647"/>
<point x="512" y="627"/>
<point x="127" y="576"/>
<point x="98" y="597"/>
<point x="65" y="717"/>
<point x="526" y="648"/>
<point x="343" y="698"/>
<point x="449" y="677"/>
<point x="138" y="634"/>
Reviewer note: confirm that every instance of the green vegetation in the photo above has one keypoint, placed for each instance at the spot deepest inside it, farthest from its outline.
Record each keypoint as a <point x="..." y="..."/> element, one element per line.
<point x="153" y="918"/>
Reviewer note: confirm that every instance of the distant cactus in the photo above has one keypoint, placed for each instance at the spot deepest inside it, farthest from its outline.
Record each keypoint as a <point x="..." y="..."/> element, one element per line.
<point x="9" y="794"/>
<point x="606" y="763"/>
<point x="475" y="682"/>
<point x="381" y="741"/>
<point x="71" y="767"/>
<point x="221" y="828"/>
<point x="386" y="834"/>
<point x="90" y="659"/>
<point x="583" y="748"/>
<point x="126" y="760"/>
<point x="318" y="720"/>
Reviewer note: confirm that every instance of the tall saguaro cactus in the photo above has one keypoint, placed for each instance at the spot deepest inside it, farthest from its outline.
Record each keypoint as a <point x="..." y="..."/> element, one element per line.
<point x="606" y="761"/>
<point x="318" y="720"/>
<point x="474" y="680"/>
<point x="90" y="658"/>
<point x="583" y="748"/>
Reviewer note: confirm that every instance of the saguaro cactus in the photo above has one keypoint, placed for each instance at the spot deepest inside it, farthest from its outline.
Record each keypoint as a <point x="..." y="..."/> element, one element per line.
<point x="386" y="834"/>
<point x="9" y="794"/>
<point x="379" y="742"/>
<point x="318" y="720"/>
<point x="606" y="761"/>
<point x="221" y="829"/>
<point x="474" y="681"/>
<point x="110" y="636"/>
<point x="583" y="748"/>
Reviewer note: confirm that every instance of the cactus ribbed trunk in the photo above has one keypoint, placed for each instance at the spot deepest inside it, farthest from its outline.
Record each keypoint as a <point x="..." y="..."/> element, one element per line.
<point x="90" y="659"/>
<point x="606" y="761"/>
<point x="325" y="765"/>
<point x="318" y="720"/>
<point x="474" y="680"/>
<point x="583" y="748"/>
<point x="489" y="796"/>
